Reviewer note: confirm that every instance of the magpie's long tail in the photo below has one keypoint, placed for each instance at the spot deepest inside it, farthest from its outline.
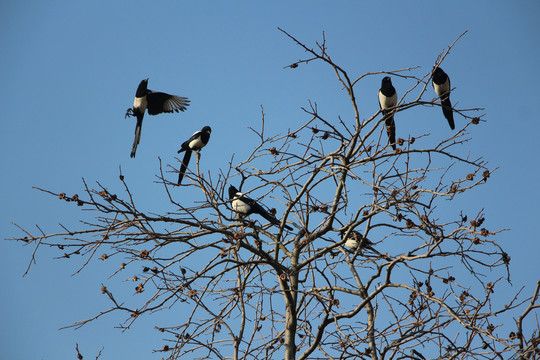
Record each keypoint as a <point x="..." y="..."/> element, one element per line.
<point x="272" y="219"/>
<point x="447" y="111"/>
<point x="184" y="166"/>
<point x="390" y="129"/>
<point x="138" y="129"/>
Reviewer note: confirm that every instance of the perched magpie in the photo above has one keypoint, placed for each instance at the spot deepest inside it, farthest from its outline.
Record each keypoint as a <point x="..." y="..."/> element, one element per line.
<point x="196" y="142"/>
<point x="387" y="100"/>
<point x="244" y="206"/>
<point x="441" y="85"/>
<point x="156" y="103"/>
<point x="355" y="240"/>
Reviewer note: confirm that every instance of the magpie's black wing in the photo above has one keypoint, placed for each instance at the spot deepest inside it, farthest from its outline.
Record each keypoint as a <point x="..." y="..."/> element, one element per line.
<point x="186" y="144"/>
<point x="159" y="102"/>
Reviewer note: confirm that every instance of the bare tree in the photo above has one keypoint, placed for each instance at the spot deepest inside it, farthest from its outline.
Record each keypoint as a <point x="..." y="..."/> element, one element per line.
<point x="257" y="290"/>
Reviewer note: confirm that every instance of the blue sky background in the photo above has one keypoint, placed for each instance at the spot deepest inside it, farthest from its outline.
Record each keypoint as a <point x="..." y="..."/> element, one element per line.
<point x="70" y="69"/>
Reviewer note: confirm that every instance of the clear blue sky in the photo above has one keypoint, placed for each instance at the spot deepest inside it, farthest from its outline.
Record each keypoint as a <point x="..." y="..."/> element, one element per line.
<point x="70" y="70"/>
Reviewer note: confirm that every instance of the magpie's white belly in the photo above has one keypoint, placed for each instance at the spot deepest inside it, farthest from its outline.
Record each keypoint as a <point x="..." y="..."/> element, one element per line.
<point x="351" y="244"/>
<point x="196" y="144"/>
<point x="387" y="102"/>
<point x="442" y="88"/>
<point x="140" y="103"/>
<point x="240" y="206"/>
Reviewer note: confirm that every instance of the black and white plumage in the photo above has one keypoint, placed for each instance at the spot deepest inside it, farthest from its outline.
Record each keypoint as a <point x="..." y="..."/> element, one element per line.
<point x="244" y="206"/>
<point x="356" y="240"/>
<point x="441" y="85"/>
<point x="388" y="100"/>
<point x="155" y="103"/>
<point x="196" y="142"/>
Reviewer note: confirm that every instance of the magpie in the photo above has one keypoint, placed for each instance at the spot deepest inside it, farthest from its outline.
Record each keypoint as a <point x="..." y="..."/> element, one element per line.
<point x="355" y="240"/>
<point x="387" y="100"/>
<point x="441" y="85"/>
<point x="196" y="142"/>
<point x="244" y="206"/>
<point x="156" y="103"/>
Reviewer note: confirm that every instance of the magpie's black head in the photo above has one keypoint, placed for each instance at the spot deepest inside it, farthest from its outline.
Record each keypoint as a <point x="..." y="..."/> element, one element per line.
<point x="386" y="80"/>
<point x="439" y="76"/>
<point x="438" y="72"/>
<point x="232" y="192"/>
<point x="141" y="90"/>
<point x="207" y="129"/>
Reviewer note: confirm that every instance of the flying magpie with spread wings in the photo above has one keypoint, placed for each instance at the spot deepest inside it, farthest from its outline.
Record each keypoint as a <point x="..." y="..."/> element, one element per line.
<point x="387" y="100"/>
<point x="441" y="85"/>
<point x="196" y="142"/>
<point x="155" y="103"/>
<point x="244" y="206"/>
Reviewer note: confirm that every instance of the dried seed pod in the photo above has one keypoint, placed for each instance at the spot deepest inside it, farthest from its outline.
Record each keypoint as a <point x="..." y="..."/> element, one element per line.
<point x="409" y="223"/>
